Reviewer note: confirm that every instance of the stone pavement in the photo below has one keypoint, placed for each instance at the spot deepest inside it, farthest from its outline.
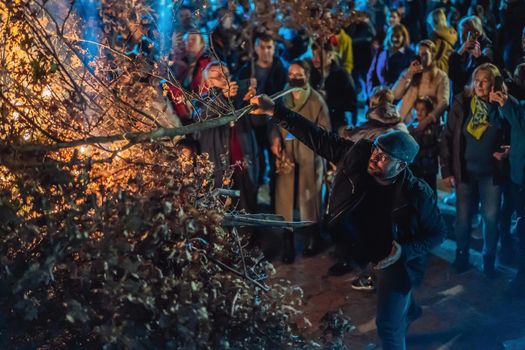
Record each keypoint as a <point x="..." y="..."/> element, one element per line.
<point x="466" y="311"/>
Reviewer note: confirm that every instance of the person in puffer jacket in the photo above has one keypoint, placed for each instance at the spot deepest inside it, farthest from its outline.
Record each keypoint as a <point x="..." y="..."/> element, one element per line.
<point x="382" y="117"/>
<point x="443" y="35"/>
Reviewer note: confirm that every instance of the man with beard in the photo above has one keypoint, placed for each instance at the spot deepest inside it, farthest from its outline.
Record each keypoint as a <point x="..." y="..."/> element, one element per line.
<point x="391" y="216"/>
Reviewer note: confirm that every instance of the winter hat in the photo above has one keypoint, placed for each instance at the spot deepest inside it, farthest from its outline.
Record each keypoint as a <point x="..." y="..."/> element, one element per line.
<point x="399" y="145"/>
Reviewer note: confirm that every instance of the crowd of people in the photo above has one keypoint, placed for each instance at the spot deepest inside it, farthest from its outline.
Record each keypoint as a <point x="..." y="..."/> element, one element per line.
<point x="451" y="74"/>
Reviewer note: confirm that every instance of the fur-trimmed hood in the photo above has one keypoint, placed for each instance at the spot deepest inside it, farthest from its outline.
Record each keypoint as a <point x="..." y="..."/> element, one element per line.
<point x="385" y="113"/>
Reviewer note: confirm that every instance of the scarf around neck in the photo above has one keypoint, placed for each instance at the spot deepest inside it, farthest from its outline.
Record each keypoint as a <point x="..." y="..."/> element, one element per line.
<point x="479" y="121"/>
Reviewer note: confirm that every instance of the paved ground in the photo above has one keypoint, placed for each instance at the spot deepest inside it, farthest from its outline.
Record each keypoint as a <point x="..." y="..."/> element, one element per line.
<point x="466" y="311"/>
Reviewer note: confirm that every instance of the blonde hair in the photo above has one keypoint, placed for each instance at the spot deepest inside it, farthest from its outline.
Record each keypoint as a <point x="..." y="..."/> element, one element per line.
<point x="471" y="23"/>
<point x="433" y="66"/>
<point x="493" y="71"/>
<point x="437" y="18"/>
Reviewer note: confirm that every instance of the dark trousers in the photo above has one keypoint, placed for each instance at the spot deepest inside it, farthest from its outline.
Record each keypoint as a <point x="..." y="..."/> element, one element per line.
<point x="468" y="196"/>
<point x="243" y="183"/>
<point x="505" y="216"/>
<point x="518" y="193"/>
<point x="394" y="300"/>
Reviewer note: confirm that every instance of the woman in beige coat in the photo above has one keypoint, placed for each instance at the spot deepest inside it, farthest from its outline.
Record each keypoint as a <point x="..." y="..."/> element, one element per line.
<point x="293" y="157"/>
<point x="422" y="79"/>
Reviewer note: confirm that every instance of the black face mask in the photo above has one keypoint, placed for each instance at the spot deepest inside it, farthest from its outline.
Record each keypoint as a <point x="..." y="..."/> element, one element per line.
<point x="296" y="82"/>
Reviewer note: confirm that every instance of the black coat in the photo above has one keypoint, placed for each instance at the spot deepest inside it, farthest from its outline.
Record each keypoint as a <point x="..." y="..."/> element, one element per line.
<point x="460" y="67"/>
<point x="277" y="76"/>
<point x="453" y="144"/>
<point x="215" y="141"/>
<point x="340" y="91"/>
<point x="417" y="223"/>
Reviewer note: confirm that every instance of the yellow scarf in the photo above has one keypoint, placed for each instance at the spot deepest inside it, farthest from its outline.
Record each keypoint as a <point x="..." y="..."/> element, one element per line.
<point x="479" y="122"/>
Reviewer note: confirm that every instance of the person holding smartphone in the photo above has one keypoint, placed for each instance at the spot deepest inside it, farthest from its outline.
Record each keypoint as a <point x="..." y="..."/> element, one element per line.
<point x="475" y="49"/>
<point x="422" y="78"/>
<point x="469" y="152"/>
<point x="514" y="112"/>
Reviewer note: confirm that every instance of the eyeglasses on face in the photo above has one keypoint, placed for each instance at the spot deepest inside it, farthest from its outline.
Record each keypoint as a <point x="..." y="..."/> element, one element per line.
<point x="379" y="156"/>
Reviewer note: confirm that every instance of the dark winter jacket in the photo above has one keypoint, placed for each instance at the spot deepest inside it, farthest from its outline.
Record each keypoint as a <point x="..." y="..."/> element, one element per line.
<point x="277" y="76"/>
<point x="514" y="112"/>
<point x="426" y="161"/>
<point x="340" y="91"/>
<point x="417" y="223"/>
<point x="385" y="69"/>
<point x="453" y="143"/>
<point x="216" y="142"/>
<point x="460" y="67"/>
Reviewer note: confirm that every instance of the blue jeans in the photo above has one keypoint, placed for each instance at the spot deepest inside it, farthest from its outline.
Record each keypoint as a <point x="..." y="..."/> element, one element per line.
<point x="469" y="195"/>
<point x="394" y="300"/>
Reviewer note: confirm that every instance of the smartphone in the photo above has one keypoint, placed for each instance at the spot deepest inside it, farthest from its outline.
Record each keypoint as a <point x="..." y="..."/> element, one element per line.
<point x="424" y="60"/>
<point x="498" y="83"/>
<point x="472" y="35"/>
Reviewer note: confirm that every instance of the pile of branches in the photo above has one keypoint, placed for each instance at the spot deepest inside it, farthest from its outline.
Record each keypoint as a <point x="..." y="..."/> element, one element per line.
<point x="144" y="266"/>
<point x="116" y="242"/>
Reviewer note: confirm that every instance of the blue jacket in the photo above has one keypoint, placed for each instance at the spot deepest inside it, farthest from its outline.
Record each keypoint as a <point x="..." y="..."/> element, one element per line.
<point x="514" y="112"/>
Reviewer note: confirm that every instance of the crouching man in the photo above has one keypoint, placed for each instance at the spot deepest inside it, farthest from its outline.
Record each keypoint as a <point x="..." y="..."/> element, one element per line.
<point x="391" y="216"/>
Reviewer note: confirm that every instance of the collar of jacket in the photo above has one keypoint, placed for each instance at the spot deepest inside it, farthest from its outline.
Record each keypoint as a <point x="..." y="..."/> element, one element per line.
<point x="401" y="199"/>
<point x="294" y="105"/>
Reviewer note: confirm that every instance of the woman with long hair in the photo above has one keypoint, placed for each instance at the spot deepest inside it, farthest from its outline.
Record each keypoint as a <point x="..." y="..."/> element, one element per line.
<point x="422" y="78"/>
<point x="390" y="60"/>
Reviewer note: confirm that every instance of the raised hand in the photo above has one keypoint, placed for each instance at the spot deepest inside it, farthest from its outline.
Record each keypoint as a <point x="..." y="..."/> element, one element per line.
<point x="264" y="105"/>
<point x="499" y="97"/>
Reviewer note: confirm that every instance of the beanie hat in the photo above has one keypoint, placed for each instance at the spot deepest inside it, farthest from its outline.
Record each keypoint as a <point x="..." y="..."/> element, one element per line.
<point x="399" y="145"/>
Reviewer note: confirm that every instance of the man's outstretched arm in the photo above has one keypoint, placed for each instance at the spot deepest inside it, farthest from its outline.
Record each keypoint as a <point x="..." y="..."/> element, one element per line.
<point x="326" y="144"/>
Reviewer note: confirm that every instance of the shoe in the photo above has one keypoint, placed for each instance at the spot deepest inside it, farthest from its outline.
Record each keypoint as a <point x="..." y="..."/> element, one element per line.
<point x="288" y="256"/>
<point x="314" y="244"/>
<point x="488" y="266"/>
<point x="340" y="268"/>
<point x="364" y="283"/>
<point x="461" y="264"/>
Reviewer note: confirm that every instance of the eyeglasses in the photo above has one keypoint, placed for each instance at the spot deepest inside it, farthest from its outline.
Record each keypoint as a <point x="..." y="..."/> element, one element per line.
<point x="379" y="156"/>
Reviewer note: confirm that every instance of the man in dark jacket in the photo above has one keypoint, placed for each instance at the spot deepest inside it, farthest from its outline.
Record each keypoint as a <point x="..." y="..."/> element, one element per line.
<point x="270" y="76"/>
<point x="373" y="181"/>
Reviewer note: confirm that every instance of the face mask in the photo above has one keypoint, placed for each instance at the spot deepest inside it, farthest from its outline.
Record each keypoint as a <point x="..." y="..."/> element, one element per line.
<point x="296" y="82"/>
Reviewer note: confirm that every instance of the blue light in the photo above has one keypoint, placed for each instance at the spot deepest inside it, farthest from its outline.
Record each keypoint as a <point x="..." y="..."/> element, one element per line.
<point x="88" y="12"/>
<point x="164" y="26"/>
